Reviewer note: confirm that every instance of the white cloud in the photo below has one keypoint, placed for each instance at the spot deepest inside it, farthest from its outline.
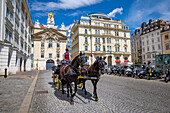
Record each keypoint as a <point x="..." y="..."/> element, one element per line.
<point x="113" y="13"/>
<point x="77" y="13"/>
<point x="62" y="4"/>
<point x="143" y="10"/>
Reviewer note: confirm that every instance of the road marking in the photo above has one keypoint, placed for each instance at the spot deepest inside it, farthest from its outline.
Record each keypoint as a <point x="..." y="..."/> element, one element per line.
<point x="24" y="108"/>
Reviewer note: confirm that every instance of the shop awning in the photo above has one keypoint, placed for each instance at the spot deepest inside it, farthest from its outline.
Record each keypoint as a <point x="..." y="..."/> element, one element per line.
<point x="118" y="61"/>
<point x="126" y="61"/>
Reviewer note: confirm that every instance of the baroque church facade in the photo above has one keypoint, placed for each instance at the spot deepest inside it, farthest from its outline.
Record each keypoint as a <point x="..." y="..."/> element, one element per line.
<point x="49" y="44"/>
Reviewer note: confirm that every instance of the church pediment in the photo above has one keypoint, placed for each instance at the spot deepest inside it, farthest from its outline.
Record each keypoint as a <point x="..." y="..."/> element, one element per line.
<point x="50" y="34"/>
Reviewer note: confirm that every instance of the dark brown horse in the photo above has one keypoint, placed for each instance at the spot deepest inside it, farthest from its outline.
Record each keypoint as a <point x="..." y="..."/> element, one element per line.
<point x="69" y="74"/>
<point x="93" y="73"/>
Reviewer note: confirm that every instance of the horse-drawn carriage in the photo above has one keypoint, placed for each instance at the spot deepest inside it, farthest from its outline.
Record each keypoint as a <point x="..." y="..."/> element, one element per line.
<point x="78" y="72"/>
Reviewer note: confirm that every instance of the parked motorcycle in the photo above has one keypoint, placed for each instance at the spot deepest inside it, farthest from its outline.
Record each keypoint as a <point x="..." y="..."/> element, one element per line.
<point x="153" y="72"/>
<point x="167" y="78"/>
<point x="116" y="70"/>
<point x="128" y="72"/>
<point x="110" y="70"/>
<point x="122" y="71"/>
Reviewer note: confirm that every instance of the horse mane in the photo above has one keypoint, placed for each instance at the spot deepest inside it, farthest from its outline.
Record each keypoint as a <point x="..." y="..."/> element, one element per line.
<point x="73" y="61"/>
<point x="95" y="62"/>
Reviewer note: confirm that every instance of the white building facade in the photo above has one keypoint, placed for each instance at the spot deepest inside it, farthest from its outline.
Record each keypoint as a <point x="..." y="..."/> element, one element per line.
<point x="15" y="36"/>
<point x="49" y="44"/>
<point x="98" y="35"/>
<point x="152" y="40"/>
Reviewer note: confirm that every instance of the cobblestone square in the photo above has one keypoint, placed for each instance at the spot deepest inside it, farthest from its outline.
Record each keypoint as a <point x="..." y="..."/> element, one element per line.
<point x="116" y="94"/>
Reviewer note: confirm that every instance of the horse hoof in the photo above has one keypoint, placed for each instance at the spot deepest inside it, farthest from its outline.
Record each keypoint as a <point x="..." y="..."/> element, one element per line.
<point x="72" y="103"/>
<point x="96" y="99"/>
<point x="94" y="96"/>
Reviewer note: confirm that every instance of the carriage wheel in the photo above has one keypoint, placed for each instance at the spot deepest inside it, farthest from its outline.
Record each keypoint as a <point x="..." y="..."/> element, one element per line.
<point x="53" y="78"/>
<point x="57" y="83"/>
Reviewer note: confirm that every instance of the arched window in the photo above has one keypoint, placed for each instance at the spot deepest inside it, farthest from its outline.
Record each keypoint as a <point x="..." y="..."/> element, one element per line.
<point x="126" y="58"/>
<point x="117" y="58"/>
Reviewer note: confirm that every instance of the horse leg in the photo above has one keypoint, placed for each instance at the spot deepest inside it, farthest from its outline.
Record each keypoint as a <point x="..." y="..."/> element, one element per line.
<point x="71" y="98"/>
<point x="67" y="89"/>
<point x="75" y="89"/>
<point x="62" y="83"/>
<point x="94" y="82"/>
<point x="84" y="87"/>
<point x="95" y="90"/>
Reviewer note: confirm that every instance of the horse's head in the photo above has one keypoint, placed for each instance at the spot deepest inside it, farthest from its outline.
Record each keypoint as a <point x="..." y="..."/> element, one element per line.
<point x="82" y="59"/>
<point x="79" y="60"/>
<point x="101" y="64"/>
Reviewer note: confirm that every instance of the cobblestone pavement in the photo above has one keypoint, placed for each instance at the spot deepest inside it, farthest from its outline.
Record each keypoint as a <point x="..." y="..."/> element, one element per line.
<point x="13" y="90"/>
<point x="116" y="94"/>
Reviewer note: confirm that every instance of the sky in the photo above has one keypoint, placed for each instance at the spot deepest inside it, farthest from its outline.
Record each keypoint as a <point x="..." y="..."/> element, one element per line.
<point x="132" y="12"/>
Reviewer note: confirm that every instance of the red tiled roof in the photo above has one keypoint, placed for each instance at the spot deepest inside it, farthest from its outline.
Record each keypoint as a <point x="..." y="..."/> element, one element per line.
<point x="42" y="26"/>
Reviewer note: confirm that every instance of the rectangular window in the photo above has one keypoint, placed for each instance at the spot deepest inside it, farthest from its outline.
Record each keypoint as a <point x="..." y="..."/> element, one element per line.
<point x="98" y="40"/>
<point x="42" y="55"/>
<point x="159" y="46"/>
<point x="157" y="33"/>
<point x="85" y="31"/>
<point x="58" y="45"/>
<point x="148" y="42"/>
<point x="42" y="44"/>
<point x="103" y="40"/>
<point x="167" y="46"/>
<point x="125" y="49"/>
<point x="104" y="48"/>
<point x="158" y="39"/>
<point x="96" y="48"/>
<point x="143" y="49"/>
<point x="98" y="31"/>
<point x="124" y="34"/>
<point x="50" y="44"/>
<point x="125" y="41"/>
<point x="107" y="48"/>
<point x="153" y="55"/>
<point x="166" y="37"/>
<point x="118" y="49"/>
<point x="152" y="41"/>
<point x="50" y="55"/>
<point x="58" y="55"/>
<point x="85" y="39"/>
<point x="153" y="47"/>
<point x="86" y="48"/>
<point x="95" y="31"/>
<point x="148" y="48"/>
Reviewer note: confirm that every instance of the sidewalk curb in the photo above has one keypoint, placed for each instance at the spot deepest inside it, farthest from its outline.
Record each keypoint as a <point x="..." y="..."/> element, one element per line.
<point x="24" y="108"/>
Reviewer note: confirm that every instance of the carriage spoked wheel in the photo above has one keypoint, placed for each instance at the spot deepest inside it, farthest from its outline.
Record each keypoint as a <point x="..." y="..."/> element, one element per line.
<point x="57" y="83"/>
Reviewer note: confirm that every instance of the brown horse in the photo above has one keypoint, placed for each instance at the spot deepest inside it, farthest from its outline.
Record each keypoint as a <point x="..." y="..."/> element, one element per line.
<point x="69" y="74"/>
<point x="93" y="73"/>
